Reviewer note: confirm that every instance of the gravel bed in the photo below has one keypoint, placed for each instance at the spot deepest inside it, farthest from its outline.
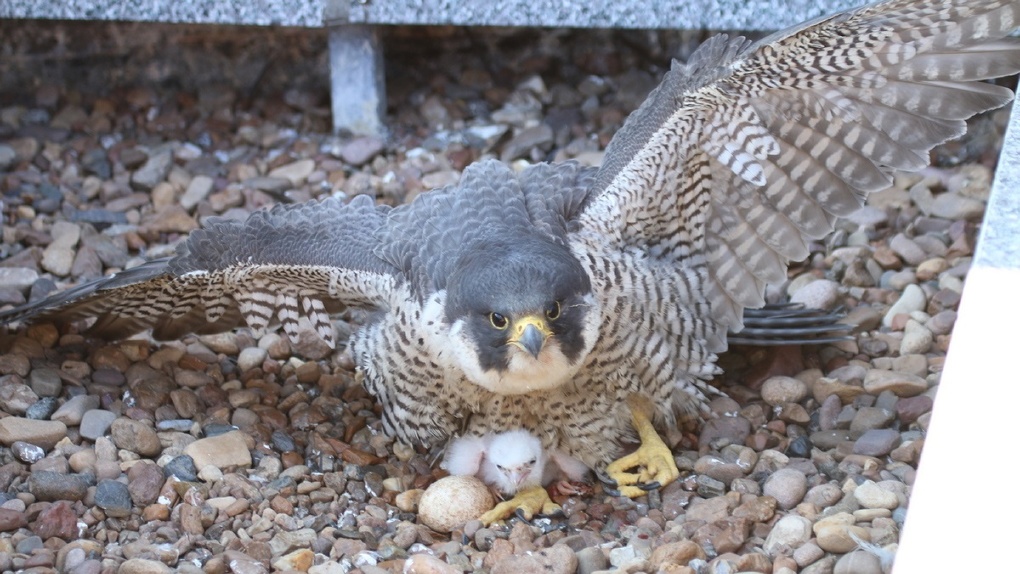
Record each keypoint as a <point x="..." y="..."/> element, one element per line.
<point x="226" y="453"/>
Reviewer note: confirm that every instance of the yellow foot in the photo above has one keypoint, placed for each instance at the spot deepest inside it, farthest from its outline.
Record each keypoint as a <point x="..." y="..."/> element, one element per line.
<point x="653" y="459"/>
<point x="530" y="501"/>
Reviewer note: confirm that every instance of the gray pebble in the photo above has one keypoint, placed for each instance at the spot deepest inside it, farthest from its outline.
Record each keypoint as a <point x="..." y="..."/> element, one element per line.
<point x="181" y="467"/>
<point x="877" y="442"/>
<point x="96" y="423"/>
<point x="71" y="412"/>
<point x="27" y="452"/>
<point x="113" y="497"/>
<point x="42" y="409"/>
<point x="51" y="486"/>
<point x="45" y="382"/>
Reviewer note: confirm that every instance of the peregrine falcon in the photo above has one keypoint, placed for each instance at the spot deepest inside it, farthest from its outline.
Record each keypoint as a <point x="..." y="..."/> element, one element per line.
<point x="583" y="304"/>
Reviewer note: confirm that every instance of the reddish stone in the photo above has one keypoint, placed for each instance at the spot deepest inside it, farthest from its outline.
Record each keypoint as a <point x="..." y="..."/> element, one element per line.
<point x="57" y="521"/>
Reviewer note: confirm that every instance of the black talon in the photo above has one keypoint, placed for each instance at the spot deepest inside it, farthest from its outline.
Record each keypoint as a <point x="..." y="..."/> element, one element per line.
<point x="606" y="479"/>
<point x="519" y="513"/>
<point x="555" y="514"/>
<point x="650" y="486"/>
<point x="612" y="491"/>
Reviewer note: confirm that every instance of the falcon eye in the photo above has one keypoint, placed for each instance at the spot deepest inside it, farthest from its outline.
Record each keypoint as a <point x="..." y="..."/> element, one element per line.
<point x="552" y="312"/>
<point x="498" y="321"/>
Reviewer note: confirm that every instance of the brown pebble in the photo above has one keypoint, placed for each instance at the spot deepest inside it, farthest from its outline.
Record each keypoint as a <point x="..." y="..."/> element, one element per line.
<point x="135" y="436"/>
<point x="11" y="520"/>
<point x="675" y="553"/>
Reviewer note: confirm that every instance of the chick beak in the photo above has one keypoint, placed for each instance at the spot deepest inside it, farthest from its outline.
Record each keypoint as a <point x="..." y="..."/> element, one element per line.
<point x="530" y="333"/>
<point x="519" y="476"/>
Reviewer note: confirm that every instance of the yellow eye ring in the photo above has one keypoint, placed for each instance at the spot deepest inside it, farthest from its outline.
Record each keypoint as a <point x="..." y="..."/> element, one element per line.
<point x="498" y="321"/>
<point x="553" y="311"/>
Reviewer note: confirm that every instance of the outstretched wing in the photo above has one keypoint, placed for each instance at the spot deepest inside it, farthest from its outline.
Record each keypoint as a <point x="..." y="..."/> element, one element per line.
<point x="286" y="263"/>
<point x="749" y="149"/>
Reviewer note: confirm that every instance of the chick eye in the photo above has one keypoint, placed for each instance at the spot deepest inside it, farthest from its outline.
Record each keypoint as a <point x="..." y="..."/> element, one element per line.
<point x="498" y="321"/>
<point x="552" y="312"/>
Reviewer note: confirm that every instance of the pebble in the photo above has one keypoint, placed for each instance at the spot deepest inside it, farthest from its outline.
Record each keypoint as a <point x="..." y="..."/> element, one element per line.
<point x="11" y="520"/>
<point x="871" y="495"/>
<point x="17" y="397"/>
<point x="45" y="382"/>
<point x="877" y="442"/>
<point x="135" y="436"/>
<point x="114" y="498"/>
<point x="44" y="434"/>
<point x="145" y="480"/>
<point x="26" y="452"/>
<point x="95" y="423"/>
<point x="224" y="451"/>
<point x="48" y="485"/>
<point x="73" y="410"/>
<point x="591" y="559"/>
<point x="426" y="564"/>
<point x="557" y="559"/>
<point x="198" y="189"/>
<point x="153" y="171"/>
<point x="250" y="358"/>
<point x="299" y="560"/>
<point x="868" y="418"/>
<point x="836" y="533"/>
<point x="819" y="294"/>
<point x="731" y="430"/>
<point x="42" y="409"/>
<point x="916" y="338"/>
<point x="957" y="207"/>
<point x="858" y="562"/>
<point x="59" y="254"/>
<point x="7" y="157"/>
<point x="907" y="249"/>
<point x="912" y="299"/>
<point x="143" y="566"/>
<point x="909" y="409"/>
<point x="361" y="150"/>
<point x="807" y="554"/>
<point x="779" y="390"/>
<point x="182" y="468"/>
<point x="788" y="486"/>
<point x="879" y="381"/>
<point x="295" y="172"/>
<point x="57" y="520"/>
<point x="788" y="534"/>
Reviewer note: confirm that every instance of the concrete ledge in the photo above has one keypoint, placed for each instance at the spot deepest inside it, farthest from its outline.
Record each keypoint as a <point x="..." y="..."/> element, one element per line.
<point x="757" y="15"/>
<point x="254" y="12"/>
<point x="961" y="508"/>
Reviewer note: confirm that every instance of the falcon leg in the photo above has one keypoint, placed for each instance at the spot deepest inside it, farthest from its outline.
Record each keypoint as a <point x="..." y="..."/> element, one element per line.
<point x="530" y="501"/>
<point x="653" y="458"/>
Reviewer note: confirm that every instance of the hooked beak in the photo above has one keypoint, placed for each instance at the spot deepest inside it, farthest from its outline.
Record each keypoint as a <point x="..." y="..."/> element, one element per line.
<point x="530" y="333"/>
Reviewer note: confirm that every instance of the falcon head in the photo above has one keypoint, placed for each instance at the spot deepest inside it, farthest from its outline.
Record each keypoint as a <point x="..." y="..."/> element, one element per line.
<point x="521" y="314"/>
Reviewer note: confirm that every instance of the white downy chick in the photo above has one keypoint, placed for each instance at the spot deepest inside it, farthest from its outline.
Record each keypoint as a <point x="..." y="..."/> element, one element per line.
<point x="510" y="461"/>
<point x="507" y="461"/>
<point x="514" y="460"/>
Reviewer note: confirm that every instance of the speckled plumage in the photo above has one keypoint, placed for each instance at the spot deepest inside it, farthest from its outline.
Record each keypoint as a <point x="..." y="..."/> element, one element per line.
<point x="706" y="193"/>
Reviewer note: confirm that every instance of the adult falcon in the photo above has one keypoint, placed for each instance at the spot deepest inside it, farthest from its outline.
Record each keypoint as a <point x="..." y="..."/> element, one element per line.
<point x="584" y="304"/>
